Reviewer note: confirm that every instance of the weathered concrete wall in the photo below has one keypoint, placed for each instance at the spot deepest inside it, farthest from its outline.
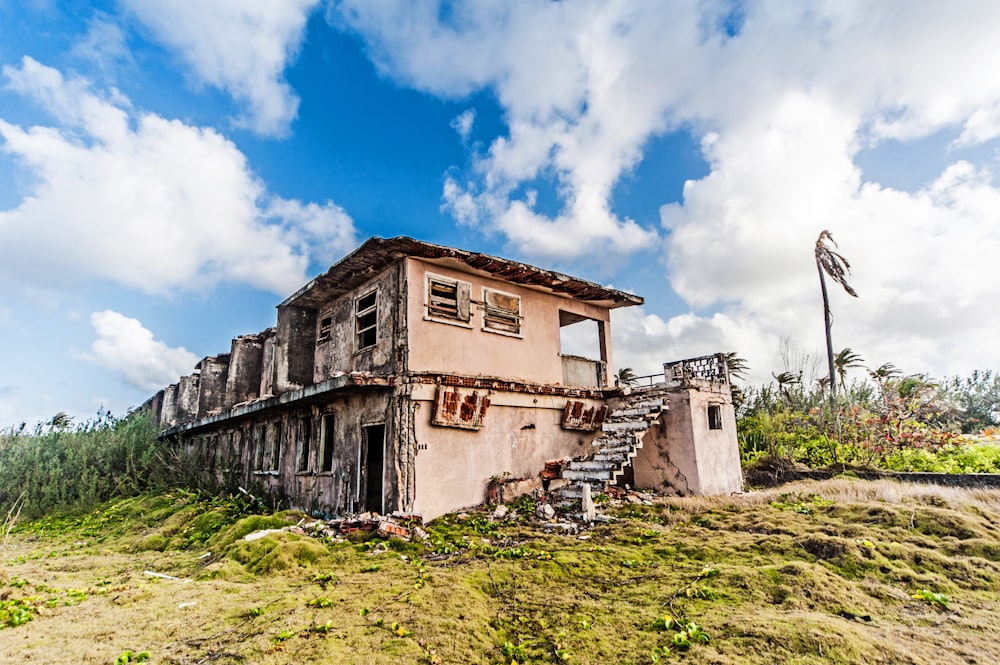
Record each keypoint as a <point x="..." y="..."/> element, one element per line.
<point x="681" y="453"/>
<point x="265" y="452"/>
<point x="582" y="372"/>
<point x="267" y="364"/>
<point x="187" y="398"/>
<point x="467" y="348"/>
<point x="168" y="417"/>
<point x="243" y="379"/>
<point x="156" y="406"/>
<point x="340" y="353"/>
<point x="293" y="349"/>
<point x="214" y="371"/>
<point x="521" y="433"/>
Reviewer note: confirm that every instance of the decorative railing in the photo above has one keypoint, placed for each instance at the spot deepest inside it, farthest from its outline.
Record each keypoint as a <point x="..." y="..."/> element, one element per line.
<point x="709" y="368"/>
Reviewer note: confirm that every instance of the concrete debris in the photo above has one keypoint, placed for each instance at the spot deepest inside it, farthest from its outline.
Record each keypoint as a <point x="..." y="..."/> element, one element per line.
<point x="552" y="513"/>
<point x="388" y="529"/>
<point x="587" y="504"/>
<point x="545" y="511"/>
<point x="399" y="525"/>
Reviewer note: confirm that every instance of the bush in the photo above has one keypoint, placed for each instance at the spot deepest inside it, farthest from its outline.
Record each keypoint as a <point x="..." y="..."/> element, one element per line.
<point x="79" y="468"/>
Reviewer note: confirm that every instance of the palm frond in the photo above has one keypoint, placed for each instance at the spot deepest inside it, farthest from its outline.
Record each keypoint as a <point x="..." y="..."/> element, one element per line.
<point x="833" y="263"/>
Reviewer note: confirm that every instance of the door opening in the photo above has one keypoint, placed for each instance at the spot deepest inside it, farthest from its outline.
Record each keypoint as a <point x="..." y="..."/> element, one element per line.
<point x="373" y="456"/>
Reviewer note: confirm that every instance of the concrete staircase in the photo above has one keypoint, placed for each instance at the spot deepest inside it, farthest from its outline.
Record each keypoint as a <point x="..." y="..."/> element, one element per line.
<point x="621" y="438"/>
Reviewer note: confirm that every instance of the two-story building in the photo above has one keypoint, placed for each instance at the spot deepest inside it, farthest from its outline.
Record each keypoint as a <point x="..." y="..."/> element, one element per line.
<point x="404" y="378"/>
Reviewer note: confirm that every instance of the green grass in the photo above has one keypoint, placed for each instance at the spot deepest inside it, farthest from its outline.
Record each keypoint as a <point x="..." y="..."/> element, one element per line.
<point x="844" y="571"/>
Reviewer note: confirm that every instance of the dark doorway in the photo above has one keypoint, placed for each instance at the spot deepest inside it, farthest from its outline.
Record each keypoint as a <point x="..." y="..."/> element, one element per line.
<point x="373" y="459"/>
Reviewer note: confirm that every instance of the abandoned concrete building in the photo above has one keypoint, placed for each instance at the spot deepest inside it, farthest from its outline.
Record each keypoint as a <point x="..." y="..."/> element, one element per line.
<point x="412" y="376"/>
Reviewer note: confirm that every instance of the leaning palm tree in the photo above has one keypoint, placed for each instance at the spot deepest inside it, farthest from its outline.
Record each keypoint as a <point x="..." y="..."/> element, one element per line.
<point x="786" y="382"/>
<point x="625" y="376"/>
<point x="829" y="262"/>
<point x="736" y="366"/>
<point x="844" y="361"/>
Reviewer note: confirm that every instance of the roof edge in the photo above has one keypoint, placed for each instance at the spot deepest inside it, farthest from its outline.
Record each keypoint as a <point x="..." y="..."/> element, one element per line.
<point x="376" y="253"/>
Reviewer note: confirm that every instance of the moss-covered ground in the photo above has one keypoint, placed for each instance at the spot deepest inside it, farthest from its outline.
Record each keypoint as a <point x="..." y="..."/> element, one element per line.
<point x="806" y="573"/>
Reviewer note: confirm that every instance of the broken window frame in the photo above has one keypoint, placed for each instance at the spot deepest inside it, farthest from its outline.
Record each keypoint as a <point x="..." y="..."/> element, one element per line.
<point x="442" y="309"/>
<point x="501" y="320"/>
<point x="366" y="321"/>
<point x="260" y="448"/>
<point x="324" y="331"/>
<point x="304" y="435"/>
<point x="276" y="446"/>
<point x="714" y="414"/>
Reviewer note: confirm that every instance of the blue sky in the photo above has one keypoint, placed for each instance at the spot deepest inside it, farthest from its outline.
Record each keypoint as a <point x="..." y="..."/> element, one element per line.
<point x="170" y="170"/>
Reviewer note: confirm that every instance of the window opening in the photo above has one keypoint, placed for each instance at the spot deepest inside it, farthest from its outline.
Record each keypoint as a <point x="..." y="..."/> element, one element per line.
<point x="366" y="320"/>
<point x="580" y="338"/>
<point x="714" y="416"/>
<point x="305" y="433"/>
<point x="326" y="449"/>
<point x="501" y="312"/>
<point x="373" y="457"/>
<point x="325" y="329"/>
<point x="276" y="447"/>
<point x="259" y="448"/>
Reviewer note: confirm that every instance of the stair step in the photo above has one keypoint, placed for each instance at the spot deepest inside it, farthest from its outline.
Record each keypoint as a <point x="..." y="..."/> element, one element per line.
<point x="640" y="409"/>
<point x="588" y="474"/>
<point x="616" y="450"/>
<point x="627" y="426"/>
<point x="616" y="458"/>
<point x="587" y="465"/>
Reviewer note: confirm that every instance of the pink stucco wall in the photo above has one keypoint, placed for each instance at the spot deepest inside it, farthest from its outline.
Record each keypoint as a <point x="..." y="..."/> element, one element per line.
<point x="471" y="350"/>
<point x="680" y="452"/>
<point x="522" y="432"/>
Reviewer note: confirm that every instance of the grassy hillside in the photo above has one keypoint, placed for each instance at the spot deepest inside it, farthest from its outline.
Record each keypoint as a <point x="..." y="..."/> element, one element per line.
<point x="807" y="573"/>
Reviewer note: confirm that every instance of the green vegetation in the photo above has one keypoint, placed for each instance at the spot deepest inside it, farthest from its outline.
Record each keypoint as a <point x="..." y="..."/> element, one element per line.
<point x="60" y="467"/>
<point x="843" y="571"/>
<point x="890" y="421"/>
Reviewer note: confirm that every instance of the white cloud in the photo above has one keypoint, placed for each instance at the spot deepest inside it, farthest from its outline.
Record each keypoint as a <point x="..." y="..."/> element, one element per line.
<point x="782" y="109"/>
<point x="562" y="72"/>
<point x="240" y="46"/>
<point x="151" y="203"/>
<point x="981" y="126"/>
<point x="127" y="348"/>
<point x="104" y="43"/>
<point x="463" y="122"/>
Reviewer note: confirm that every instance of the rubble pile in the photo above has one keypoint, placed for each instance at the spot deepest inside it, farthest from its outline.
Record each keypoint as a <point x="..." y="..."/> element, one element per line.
<point x="548" y="512"/>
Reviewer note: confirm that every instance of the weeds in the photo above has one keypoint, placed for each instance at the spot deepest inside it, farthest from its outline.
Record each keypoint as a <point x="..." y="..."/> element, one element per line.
<point x="938" y="600"/>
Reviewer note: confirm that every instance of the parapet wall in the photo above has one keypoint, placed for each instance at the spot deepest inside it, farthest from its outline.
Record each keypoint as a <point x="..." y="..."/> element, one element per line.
<point x="219" y="382"/>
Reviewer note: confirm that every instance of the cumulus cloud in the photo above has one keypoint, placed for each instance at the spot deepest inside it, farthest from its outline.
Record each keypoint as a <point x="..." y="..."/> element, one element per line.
<point x="562" y="72"/>
<point x="128" y="349"/>
<point x="783" y="98"/>
<point x="239" y="46"/>
<point x="149" y="202"/>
